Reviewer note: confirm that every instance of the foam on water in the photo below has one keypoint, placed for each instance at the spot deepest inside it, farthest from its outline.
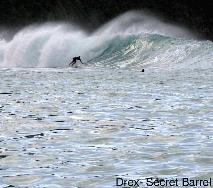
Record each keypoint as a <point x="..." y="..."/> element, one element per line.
<point x="131" y="40"/>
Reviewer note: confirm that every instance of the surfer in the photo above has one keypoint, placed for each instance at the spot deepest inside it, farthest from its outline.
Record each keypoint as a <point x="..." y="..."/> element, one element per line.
<point x="74" y="60"/>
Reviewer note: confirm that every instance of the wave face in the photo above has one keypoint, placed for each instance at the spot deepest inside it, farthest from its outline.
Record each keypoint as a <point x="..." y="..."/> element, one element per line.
<point x="132" y="40"/>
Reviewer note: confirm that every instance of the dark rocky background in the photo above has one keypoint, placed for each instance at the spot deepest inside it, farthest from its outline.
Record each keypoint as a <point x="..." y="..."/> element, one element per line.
<point x="195" y="14"/>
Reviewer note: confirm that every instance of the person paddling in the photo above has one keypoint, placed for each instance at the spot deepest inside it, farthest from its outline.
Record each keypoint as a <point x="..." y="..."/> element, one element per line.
<point x="74" y="60"/>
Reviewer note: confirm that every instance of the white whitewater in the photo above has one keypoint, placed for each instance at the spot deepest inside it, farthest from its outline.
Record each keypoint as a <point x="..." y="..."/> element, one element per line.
<point x="53" y="45"/>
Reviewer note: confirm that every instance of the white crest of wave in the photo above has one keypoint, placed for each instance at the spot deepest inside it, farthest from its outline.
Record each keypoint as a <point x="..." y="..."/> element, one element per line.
<point x="141" y="22"/>
<point x="53" y="45"/>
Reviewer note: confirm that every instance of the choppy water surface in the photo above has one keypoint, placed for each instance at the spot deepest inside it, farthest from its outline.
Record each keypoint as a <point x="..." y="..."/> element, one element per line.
<point x="85" y="127"/>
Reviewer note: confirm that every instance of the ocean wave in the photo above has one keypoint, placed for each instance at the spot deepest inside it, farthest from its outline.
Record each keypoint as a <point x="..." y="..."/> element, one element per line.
<point x="133" y="40"/>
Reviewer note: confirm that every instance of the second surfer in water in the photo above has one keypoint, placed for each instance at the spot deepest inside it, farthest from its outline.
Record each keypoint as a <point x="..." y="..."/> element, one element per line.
<point x="74" y="60"/>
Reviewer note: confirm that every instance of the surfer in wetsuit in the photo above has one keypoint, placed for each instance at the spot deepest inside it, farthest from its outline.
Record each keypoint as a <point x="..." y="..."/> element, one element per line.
<point x="74" y="60"/>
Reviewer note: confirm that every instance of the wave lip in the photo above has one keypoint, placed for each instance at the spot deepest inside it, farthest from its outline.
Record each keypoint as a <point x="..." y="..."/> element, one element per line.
<point x="142" y="22"/>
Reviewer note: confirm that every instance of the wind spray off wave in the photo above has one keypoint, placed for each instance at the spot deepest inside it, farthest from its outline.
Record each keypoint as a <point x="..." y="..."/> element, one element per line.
<point x="131" y="40"/>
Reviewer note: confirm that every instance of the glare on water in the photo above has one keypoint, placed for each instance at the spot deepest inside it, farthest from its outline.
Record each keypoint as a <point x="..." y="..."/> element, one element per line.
<point x="85" y="127"/>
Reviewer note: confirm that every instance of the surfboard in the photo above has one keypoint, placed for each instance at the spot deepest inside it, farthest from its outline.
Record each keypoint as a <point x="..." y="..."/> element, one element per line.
<point x="77" y="65"/>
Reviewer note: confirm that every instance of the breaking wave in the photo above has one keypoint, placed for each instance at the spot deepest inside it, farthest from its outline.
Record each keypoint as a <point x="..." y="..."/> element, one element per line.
<point x="132" y="40"/>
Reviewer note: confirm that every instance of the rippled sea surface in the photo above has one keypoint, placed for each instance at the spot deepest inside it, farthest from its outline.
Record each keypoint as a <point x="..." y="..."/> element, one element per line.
<point x="86" y="127"/>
